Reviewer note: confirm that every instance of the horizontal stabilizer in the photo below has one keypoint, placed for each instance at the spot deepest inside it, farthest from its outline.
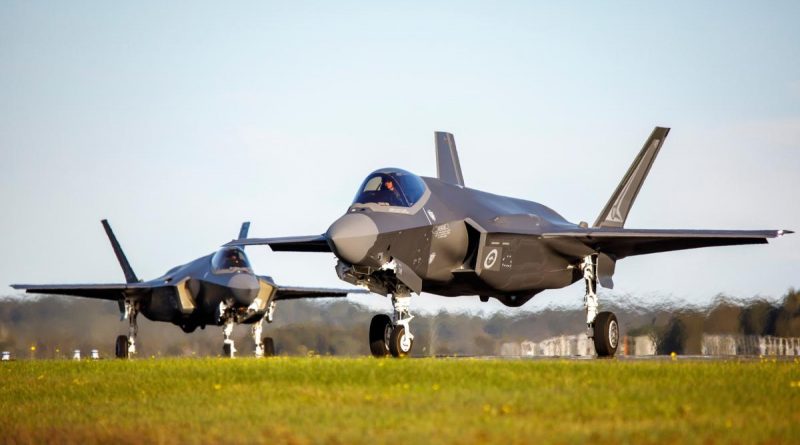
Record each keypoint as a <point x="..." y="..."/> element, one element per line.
<point x="447" y="165"/>
<point x="621" y="243"/>
<point x="313" y="243"/>
<point x="616" y="210"/>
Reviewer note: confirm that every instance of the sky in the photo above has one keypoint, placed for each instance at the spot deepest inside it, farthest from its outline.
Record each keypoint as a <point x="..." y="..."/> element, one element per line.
<point x="179" y="121"/>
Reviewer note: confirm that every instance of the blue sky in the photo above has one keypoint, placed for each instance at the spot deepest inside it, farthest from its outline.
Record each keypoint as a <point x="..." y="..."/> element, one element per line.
<point x="179" y="121"/>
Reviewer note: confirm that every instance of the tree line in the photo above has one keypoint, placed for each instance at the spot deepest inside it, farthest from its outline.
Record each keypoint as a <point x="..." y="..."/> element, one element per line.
<point x="52" y="327"/>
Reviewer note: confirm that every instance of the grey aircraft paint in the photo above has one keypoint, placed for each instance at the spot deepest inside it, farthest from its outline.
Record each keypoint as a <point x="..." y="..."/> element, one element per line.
<point x="215" y="289"/>
<point x="405" y="233"/>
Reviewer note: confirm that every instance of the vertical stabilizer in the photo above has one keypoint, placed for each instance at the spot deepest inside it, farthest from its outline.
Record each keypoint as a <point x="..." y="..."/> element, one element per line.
<point x="244" y="230"/>
<point x="130" y="276"/>
<point x="447" y="166"/>
<point x="616" y="210"/>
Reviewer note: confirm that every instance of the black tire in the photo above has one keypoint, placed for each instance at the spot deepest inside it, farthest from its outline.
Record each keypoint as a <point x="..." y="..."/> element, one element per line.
<point x="378" y="339"/>
<point x="227" y="350"/>
<point x="121" y="349"/>
<point x="606" y="334"/>
<point x="269" y="347"/>
<point x="398" y="346"/>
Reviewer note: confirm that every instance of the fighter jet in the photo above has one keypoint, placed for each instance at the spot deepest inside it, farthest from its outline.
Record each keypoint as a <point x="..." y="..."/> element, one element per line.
<point x="217" y="289"/>
<point x="407" y="234"/>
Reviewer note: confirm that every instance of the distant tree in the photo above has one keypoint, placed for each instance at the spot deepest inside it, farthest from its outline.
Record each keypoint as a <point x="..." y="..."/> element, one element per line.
<point x="723" y="318"/>
<point x="58" y="325"/>
<point x="485" y="345"/>
<point x="759" y="318"/>
<point x="787" y="323"/>
<point x="672" y="338"/>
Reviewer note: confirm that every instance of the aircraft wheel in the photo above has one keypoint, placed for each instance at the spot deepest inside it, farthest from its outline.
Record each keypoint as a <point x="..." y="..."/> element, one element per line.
<point x="227" y="350"/>
<point x="606" y="334"/>
<point x="399" y="343"/>
<point x="269" y="347"/>
<point x="121" y="350"/>
<point x="380" y="329"/>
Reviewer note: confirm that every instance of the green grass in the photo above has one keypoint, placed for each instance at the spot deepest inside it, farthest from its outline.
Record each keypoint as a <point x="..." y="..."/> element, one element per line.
<point x="350" y="401"/>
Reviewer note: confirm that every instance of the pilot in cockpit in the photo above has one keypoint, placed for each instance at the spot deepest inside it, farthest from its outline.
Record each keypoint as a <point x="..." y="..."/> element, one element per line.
<point x="396" y="196"/>
<point x="388" y="184"/>
<point x="393" y="187"/>
<point x="234" y="260"/>
<point x="229" y="259"/>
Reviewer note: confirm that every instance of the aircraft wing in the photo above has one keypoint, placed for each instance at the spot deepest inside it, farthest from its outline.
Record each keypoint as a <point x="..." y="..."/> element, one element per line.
<point x="621" y="243"/>
<point x="313" y="243"/>
<point x="111" y="292"/>
<point x="295" y="293"/>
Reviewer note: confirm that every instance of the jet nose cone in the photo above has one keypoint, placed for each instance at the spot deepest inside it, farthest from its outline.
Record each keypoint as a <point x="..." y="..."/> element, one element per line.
<point x="244" y="288"/>
<point x="352" y="236"/>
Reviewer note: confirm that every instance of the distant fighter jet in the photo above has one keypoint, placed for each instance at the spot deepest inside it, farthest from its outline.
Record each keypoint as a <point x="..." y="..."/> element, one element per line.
<point x="217" y="289"/>
<point x="404" y="233"/>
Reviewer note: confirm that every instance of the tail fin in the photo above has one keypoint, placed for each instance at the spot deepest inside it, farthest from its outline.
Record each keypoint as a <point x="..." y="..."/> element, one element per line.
<point x="243" y="231"/>
<point x="130" y="276"/>
<point x="447" y="166"/>
<point x="616" y="210"/>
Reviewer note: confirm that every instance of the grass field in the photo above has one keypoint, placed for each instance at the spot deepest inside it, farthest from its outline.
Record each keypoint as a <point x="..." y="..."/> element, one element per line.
<point x="364" y="400"/>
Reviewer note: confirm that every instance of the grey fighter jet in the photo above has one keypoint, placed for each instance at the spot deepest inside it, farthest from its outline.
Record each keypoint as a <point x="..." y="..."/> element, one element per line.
<point x="407" y="234"/>
<point x="217" y="289"/>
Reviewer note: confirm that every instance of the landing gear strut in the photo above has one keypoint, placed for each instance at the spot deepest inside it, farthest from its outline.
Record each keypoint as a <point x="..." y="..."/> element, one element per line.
<point x="265" y="347"/>
<point x="227" y="320"/>
<point x="227" y="345"/>
<point x="257" y="328"/>
<point x="126" y="346"/>
<point x="393" y="335"/>
<point x="603" y="328"/>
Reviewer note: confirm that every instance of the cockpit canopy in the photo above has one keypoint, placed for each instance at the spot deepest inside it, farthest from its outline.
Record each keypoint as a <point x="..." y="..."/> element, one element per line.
<point x="391" y="187"/>
<point x="230" y="259"/>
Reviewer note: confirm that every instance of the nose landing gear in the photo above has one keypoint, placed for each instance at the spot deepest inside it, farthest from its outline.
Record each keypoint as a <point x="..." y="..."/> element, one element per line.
<point x="227" y="344"/>
<point x="264" y="347"/>
<point x="380" y="331"/>
<point x="392" y="335"/>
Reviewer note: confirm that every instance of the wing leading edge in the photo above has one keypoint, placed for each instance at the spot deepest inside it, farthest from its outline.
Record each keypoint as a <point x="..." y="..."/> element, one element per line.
<point x="621" y="243"/>
<point x="296" y="293"/>
<point x="313" y="243"/>
<point x="111" y="292"/>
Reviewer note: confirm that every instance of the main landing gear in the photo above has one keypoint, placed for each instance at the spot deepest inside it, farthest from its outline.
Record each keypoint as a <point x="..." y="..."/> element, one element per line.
<point x="392" y="335"/>
<point x="126" y="346"/>
<point x="603" y="328"/>
<point x="265" y="347"/>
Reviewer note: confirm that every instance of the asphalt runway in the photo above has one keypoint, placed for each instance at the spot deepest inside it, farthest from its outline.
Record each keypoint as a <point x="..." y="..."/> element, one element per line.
<point x="632" y="358"/>
<point x="575" y="358"/>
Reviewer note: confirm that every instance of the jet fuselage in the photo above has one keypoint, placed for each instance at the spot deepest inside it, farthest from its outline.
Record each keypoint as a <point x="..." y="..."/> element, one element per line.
<point x="191" y="295"/>
<point x="454" y="241"/>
